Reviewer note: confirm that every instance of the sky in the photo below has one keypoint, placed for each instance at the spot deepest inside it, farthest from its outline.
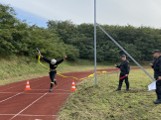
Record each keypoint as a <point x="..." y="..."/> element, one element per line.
<point x="112" y="12"/>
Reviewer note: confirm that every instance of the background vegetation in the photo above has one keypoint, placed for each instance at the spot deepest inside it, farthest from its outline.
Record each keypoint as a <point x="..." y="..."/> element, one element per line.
<point x="18" y="43"/>
<point x="23" y="68"/>
<point x="64" y="37"/>
<point x="18" y="38"/>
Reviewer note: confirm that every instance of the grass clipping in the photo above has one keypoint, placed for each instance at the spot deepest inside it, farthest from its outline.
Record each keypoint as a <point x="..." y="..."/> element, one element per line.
<point x="104" y="103"/>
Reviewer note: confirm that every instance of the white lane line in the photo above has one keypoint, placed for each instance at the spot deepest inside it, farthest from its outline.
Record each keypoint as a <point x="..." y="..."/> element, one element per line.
<point x="48" y="94"/>
<point x="63" y="90"/>
<point x="44" y="89"/>
<point x="8" y="92"/>
<point x="9" y="88"/>
<point x="20" y="84"/>
<point x="28" y="106"/>
<point x="53" y="89"/>
<point x="34" y="93"/>
<point x="15" y="93"/>
<point x="10" y="97"/>
<point x="28" y="115"/>
<point x="23" y="92"/>
<point x="37" y="115"/>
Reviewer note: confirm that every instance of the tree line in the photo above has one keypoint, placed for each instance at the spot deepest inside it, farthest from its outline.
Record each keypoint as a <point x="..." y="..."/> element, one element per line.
<point x="76" y="41"/>
<point x="20" y="39"/>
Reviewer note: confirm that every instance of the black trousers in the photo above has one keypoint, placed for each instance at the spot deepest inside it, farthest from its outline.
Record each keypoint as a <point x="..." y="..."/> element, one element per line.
<point x="158" y="89"/>
<point x="122" y="80"/>
<point x="52" y="75"/>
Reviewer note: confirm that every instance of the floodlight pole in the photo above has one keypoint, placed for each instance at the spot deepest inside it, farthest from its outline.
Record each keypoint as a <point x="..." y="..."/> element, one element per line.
<point x="95" y="45"/>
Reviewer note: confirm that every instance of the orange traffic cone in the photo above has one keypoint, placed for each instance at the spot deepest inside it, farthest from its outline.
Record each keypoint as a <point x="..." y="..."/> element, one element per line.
<point x="73" y="88"/>
<point x="27" y="86"/>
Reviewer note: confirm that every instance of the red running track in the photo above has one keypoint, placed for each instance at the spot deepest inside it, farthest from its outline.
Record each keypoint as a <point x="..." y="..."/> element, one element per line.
<point x="37" y="104"/>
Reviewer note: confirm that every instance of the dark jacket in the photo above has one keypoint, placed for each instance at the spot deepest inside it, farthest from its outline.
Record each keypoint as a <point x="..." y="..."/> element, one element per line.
<point x="157" y="67"/>
<point x="53" y="67"/>
<point x="124" y="67"/>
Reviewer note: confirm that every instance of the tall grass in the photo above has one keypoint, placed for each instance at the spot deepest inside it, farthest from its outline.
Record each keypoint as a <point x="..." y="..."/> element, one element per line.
<point x="15" y="69"/>
<point x="102" y="102"/>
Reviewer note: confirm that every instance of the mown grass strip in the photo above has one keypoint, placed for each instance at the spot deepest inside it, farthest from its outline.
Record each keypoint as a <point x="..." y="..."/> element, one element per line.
<point x="104" y="103"/>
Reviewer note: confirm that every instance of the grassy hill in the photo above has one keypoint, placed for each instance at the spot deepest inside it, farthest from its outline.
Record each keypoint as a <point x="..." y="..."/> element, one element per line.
<point x="21" y="68"/>
<point x="104" y="103"/>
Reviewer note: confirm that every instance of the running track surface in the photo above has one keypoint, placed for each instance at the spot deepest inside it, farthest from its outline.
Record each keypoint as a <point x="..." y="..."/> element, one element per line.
<point x="37" y="104"/>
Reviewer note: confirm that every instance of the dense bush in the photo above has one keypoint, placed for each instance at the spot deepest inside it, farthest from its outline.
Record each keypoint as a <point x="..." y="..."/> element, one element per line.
<point x="64" y="37"/>
<point x="139" y="42"/>
<point x="17" y="38"/>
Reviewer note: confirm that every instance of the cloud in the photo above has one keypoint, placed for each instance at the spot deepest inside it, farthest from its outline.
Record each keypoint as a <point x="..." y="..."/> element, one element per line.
<point x="56" y="9"/>
<point x="120" y="12"/>
<point x="135" y="12"/>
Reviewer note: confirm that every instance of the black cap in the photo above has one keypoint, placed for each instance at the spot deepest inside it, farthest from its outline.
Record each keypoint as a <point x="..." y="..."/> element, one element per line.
<point x="123" y="55"/>
<point x="156" y="51"/>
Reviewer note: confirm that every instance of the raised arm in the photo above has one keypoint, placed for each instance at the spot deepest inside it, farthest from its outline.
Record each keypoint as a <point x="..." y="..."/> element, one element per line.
<point x="46" y="59"/>
<point x="61" y="60"/>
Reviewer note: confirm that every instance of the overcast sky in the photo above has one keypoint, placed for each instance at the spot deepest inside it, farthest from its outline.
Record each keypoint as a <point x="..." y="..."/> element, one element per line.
<point x="113" y="12"/>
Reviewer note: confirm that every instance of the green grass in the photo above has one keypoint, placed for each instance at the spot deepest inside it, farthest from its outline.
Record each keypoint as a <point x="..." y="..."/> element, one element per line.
<point x="102" y="102"/>
<point x="17" y="69"/>
<point x="80" y="65"/>
<point x="22" y="68"/>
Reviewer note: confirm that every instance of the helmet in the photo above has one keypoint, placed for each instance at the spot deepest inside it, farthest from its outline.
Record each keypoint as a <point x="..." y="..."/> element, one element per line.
<point x="53" y="61"/>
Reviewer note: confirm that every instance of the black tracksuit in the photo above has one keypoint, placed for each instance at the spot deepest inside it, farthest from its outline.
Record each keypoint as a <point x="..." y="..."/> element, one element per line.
<point x="157" y="72"/>
<point x="124" y="70"/>
<point x="53" y="71"/>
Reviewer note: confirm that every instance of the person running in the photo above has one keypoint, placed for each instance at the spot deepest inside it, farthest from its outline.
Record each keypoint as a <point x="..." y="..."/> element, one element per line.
<point x="124" y="72"/>
<point x="53" y="64"/>
<point x="157" y="74"/>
